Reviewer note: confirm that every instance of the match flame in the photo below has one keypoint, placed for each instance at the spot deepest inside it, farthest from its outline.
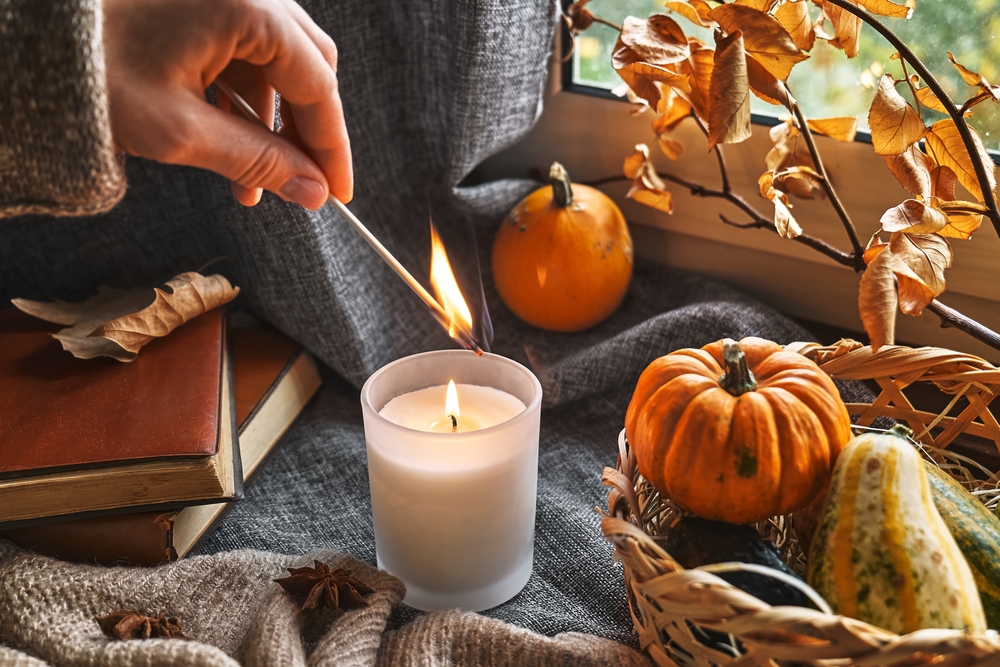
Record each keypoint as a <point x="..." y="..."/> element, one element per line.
<point x="451" y="401"/>
<point x="446" y="288"/>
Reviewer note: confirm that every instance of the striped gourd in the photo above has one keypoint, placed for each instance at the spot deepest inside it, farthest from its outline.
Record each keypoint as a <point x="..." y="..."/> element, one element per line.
<point x="882" y="553"/>
<point x="976" y="531"/>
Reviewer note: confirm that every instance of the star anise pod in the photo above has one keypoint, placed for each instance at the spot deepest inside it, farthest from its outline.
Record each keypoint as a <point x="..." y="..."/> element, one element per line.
<point x="319" y="587"/>
<point x="126" y="624"/>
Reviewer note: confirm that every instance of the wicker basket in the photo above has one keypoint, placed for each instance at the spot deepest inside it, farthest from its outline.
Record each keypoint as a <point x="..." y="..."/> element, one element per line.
<point x="672" y="607"/>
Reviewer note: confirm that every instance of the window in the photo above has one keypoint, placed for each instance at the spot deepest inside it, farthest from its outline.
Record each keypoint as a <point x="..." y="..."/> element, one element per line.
<point x="830" y="84"/>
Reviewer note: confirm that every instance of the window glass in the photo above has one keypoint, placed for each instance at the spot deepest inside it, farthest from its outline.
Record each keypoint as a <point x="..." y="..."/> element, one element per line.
<point x="830" y="84"/>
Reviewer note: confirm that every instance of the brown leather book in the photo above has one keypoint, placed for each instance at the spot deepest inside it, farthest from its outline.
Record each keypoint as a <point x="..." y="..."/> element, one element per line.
<point x="273" y="381"/>
<point x="93" y="435"/>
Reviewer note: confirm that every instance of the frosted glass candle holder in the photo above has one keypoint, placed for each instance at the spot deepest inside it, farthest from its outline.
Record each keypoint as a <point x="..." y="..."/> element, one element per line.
<point x="454" y="513"/>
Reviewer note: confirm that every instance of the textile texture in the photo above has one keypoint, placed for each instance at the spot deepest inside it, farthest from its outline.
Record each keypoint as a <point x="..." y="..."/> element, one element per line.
<point x="56" y="154"/>
<point x="430" y="89"/>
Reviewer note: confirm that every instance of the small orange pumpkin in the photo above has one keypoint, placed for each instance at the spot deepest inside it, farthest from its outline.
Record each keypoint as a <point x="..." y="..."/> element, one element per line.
<point x="737" y="432"/>
<point x="562" y="260"/>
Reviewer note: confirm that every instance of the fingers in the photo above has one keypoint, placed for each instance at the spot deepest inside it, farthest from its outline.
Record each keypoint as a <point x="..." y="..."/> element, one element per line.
<point x="243" y="152"/>
<point x="299" y="60"/>
<point x="250" y="83"/>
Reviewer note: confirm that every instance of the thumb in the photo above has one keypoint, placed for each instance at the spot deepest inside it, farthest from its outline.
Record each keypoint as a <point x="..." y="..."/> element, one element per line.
<point x="249" y="155"/>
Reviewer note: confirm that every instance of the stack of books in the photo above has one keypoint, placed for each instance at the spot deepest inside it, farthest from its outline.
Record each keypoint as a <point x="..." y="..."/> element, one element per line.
<point x="133" y="463"/>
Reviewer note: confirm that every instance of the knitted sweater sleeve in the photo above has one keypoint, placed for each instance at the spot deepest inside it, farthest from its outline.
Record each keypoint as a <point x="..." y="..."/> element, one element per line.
<point x="56" y="151"/>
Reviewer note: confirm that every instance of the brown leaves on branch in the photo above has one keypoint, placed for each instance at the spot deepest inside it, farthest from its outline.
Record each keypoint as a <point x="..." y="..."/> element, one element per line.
<point x="945" y="144"/>
<point x="887" y="8"/>
<point x="790" y="152"/>
<point x="975" y="79"/>
<point x="846" y="27"/>
<point x="843" y="128"/>
<point x="695" y="11"/>
<point x="764" y="38"/>
<point x="908" y="272"/>
<point x="895" y="126"/>
<point x="118" y="323"/>
<point x="729" y="93"/>
<point x="794" y="18"/>
<point x="784" y="223"/>
<point x="657" y="40"/>
<point x="647" y="187"/>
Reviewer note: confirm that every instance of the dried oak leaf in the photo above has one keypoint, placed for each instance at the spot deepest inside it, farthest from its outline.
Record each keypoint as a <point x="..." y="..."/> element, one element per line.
<point x="117" y="323"/>
<point x="766" y="86"/>
<point x="841" y="128"/>
<point x="943" y="181"/>
<point x="671" y="110"/>
<point x="764" y="38"/>
<point x="944" y="143"/>
<point x="964" y="218"/>
<point x="695" y="11"/>
<point x="729" y="110"/>
<point x="895" y="126"/>
<point x="126" y="624"/>
<point x="877" y="298"/>
<point x="647" y="186"/>
<point x="318" y="586"/>
<point x="790" y="151"/>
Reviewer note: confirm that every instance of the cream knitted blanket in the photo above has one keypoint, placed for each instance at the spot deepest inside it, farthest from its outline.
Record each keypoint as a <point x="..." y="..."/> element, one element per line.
<point x="234" y="614"/>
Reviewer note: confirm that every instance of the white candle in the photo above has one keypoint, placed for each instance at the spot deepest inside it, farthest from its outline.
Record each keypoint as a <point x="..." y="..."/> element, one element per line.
<point x="473" y="407"/>
<point x="453" y="503"/>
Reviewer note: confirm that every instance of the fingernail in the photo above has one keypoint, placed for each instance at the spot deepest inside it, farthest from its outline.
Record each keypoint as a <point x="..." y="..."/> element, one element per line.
<point x="303" y="190"/>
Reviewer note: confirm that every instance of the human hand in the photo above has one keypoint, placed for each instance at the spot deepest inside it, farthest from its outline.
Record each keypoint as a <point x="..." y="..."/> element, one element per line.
<point x="160" y="57"/>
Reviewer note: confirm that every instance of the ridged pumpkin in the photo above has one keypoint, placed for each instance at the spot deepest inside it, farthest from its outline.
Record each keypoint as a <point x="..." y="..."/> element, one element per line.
<point x="737" y="432"/>
<point x="882" y="553"/>
<point x="562" y="260"/>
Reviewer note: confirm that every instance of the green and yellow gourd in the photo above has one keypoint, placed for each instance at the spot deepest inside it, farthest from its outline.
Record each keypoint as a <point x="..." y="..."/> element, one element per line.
<point x="976" y="531"/>
<point x="882" y="553"/>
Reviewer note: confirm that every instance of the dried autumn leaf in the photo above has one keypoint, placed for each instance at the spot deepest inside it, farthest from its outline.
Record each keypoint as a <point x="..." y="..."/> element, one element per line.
<point x="695" y="11"/>
<point x="729" y="110"/>
<point x="657" y="40"/>
<point x="874" y="247"/>
<point x="642" y="77"/>
<point x="927" y="98"/>
<point x="672" y="110"/>
<point x="698" y="70"/>
<point x="913" y="217"/>
<point x="647" y="187"/>
<point x="760" y="5"/>
<point x="912" y="168"/>
<point x="789" y="152"/>
<point x="975" y="79"/>
<point x="846" y="27"/>
<point x="877" y="300"/>
<point x="922" y="259"/>
<point x="765" y="86"/>
<point x="943" y="181"/>
<point x="964" y="218"/>
<point x="794" y="17"/>
<point x="117" y="323"/>
<point x="578" y="16"/>
<point x="670" y="147"/>
<point x="763" y="37"/>
<point x="887" y="8"/>
<point x="895" y="126"/>
<point x="843" y="128"/>
<point x="945" y="144"/>
<point x="785" y="224"/>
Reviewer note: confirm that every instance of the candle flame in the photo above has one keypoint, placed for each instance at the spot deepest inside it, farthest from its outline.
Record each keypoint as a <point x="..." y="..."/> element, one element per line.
<point x="451" y="401"/>
<point x="446" y="288"/>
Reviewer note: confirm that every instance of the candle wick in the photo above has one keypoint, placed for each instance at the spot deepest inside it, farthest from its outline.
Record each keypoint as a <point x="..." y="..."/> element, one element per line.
<point x="454" y="424"/>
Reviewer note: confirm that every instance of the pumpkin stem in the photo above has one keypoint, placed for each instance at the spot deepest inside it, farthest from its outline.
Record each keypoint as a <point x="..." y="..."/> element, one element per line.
<point x="737" y="379"/>
<point x="562" y="189"/>
<point x="902" y="431"/>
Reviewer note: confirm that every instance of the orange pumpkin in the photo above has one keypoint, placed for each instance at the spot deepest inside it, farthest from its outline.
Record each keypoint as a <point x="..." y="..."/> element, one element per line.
<point x="562" y="260"/>
<point x="737" y="432"/>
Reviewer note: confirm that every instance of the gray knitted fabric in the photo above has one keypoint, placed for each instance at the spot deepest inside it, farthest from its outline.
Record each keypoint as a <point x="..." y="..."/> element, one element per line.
<point x="56" y="153"/>
<point x="430" y="89"/>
